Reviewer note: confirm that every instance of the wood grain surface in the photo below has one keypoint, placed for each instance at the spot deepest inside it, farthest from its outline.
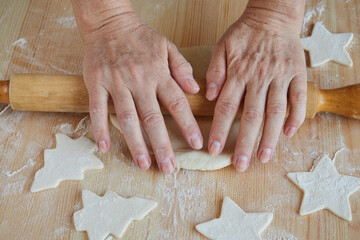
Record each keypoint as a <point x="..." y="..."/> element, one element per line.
<point x="41" y="37"/>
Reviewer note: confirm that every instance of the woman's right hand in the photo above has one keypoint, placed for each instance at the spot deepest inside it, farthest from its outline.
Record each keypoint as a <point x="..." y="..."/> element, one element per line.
<point x="138" y="68"/>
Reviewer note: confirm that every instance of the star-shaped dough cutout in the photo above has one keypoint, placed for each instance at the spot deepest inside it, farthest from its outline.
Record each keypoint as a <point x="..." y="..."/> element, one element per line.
<point x="323" y="46"/>
<point x="110" y="214"/>
<point x="67" y="161"/>
<point x="235" y="224"/>
<point x="325" y="188"/>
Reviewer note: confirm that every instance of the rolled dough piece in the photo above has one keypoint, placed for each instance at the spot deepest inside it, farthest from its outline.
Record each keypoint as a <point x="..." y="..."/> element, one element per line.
<point x="67" y="161"/>
<point x="325" y="188"/>
<point x="110" y="214"/>
<point x="324" y="46"/>
<point x="186" y="157"/>
<point x="235" y="224"/>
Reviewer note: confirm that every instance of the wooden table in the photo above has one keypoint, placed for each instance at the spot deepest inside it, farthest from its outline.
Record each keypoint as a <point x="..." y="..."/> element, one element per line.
<point x="41" y="37"/>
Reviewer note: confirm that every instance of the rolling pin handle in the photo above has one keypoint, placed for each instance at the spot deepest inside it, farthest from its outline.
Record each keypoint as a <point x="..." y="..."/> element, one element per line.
<point x="344" y="101"/>
<point x="4" y="91"/>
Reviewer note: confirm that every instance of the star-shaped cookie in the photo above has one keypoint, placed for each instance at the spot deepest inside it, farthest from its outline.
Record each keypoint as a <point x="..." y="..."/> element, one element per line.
<point x="323" y="46"/>
<point x="235" y="224"/>
<point x="67" y="161"/>
<point x="325" y="188"/>
<point x="110" y="214"/>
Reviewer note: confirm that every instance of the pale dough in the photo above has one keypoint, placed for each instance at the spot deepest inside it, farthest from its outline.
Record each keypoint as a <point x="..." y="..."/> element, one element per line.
<point x="323" y="46"/>
<point x="110" y="214"/>
<point x="325" y="188"/>
<point x="235" y="224"/>
<point x="67" y="161"/>
<point x="186" y="157"/>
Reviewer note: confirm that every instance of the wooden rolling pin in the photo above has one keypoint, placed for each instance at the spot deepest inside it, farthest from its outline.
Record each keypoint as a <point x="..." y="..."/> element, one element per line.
<point x="61" y="93"/>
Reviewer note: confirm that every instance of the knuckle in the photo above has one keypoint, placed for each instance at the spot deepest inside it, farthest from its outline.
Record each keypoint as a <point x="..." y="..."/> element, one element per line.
<point x="162" y="151"/>
<point x="227" y="107"/>
<point x="299" y="97"/>
<point x="215" y="72"/>
<point x="251" y="114"/>
<point x="152" y="119"/>
<point x="97" y="110"/>
<point x="182" y="65"/>
<point x="177" y="103"/>
<point x="127" y="119"/>
<point x="276" y="109"/>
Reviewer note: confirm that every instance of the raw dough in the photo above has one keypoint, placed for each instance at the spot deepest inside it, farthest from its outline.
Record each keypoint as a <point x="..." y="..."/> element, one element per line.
<point x="325" y="188"/>
<point x="235" y="224"/>
<point x="324" y="46"/>
<point x="110" y="214"/>
<point x="67" y="161"/>
<point x="186" y="157"/>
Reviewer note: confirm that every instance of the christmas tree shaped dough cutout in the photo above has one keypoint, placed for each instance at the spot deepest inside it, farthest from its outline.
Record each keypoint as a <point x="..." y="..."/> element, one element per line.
<point x="67" y="161"/>
<point x="110" y="214"/>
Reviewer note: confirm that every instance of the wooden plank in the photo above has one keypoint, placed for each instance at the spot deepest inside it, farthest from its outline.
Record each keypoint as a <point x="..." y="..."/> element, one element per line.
<point x="53" y="46"/>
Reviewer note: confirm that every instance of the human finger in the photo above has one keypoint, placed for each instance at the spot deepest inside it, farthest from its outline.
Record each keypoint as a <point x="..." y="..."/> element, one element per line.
<point x="274" y="119"/>
<point x="226" y="109"/>
<point x="216" y="73"/>
<point x="174" y="100"/>
<point x="250" y="124"/>
<point x="130" y="126"/>
<point x="181" y="70"/>
<point x="153" y="123"/>
<point x="297" y="101"/>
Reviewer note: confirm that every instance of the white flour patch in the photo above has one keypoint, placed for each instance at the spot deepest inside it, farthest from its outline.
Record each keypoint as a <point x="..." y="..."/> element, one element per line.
<point x="30" y="163"/>
<point x="59" y="232"/>
<point x="272" y="202"/>
<point x="314" y="14"/>
<point x="67" y="22"/>
<point x="81" y="125"/>
<point x="272" y="233"/>
<point x="21" y="42"/>
<point x="61" y="70"/>
<point x="66" y="128"/>
<point x="13" y="188"/>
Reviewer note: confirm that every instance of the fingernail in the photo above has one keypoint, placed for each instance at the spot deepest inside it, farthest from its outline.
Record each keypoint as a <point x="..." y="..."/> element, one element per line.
<point x="193" y="83"/>
<point x="102" y="146"/>
<point x="211" y="91"/>
<point x="196" y="141"/>
<point x="290" y="131"/>
<point x="265" y="155"/>
<point x="166" y="166"/>
<point x="143" y="162"/>
<point x="241" y="163"/>
<point x="215" y="148"/>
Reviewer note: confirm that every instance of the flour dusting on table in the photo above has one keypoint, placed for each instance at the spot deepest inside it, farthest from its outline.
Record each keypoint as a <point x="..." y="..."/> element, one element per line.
<point x="313" y="15"/>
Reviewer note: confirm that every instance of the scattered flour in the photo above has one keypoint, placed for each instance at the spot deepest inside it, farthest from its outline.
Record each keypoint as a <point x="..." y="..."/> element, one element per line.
<point x="81" y="125"/>
<point x="66" y="128"/>
<point x="30" y="163"/>
<point x="272" y="233"/>
<point x="67" y="22"/>
<point x="20" y="42"/>
<point x="59" y="232"/>
<point x="13" y="188"/>
<point x="313" y="13"/>
<point x="61" y="70"/>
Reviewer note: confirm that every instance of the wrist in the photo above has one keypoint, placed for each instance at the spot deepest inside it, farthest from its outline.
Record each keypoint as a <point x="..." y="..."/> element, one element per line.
<point x="92" y="15"/>
<point x="276" y="15"/>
